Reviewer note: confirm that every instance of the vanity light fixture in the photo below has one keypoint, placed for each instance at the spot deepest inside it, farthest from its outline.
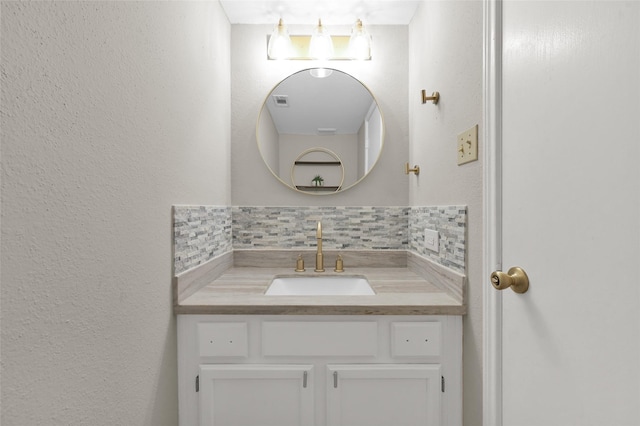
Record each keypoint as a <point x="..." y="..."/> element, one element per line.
<point x="359" y="42"/>
<point x="321" y="45"/>
<point x="279" y="46"/>
<point x="435" y="97"/>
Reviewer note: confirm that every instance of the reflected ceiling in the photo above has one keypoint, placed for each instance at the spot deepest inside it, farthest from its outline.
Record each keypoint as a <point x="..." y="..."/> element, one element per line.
<point x="334" y="102"/>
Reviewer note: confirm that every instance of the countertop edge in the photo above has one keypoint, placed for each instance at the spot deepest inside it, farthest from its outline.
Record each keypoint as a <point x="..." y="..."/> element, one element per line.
<point x="320" y="310"/>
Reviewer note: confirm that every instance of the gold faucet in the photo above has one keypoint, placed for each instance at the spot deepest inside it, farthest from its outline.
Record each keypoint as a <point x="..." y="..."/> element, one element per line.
<point x="319" y="260"/>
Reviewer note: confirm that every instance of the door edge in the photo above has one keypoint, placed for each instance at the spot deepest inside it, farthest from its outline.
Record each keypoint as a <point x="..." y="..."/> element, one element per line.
<point x="492" y="211"/>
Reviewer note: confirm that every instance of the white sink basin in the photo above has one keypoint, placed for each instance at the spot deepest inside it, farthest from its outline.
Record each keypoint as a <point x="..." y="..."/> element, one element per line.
<point x="320" y="286"/>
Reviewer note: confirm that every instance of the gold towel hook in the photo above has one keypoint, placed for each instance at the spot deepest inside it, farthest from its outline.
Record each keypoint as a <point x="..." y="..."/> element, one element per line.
<point x="435" y="97"/>
<point x="407" y="170"/>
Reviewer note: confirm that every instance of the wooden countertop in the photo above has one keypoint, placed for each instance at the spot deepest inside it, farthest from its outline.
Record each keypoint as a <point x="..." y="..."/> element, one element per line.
<point x="399" y="291"/>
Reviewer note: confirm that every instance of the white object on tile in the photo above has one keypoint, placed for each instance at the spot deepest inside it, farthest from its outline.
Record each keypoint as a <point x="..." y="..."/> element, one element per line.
<point x="431" y="240"/>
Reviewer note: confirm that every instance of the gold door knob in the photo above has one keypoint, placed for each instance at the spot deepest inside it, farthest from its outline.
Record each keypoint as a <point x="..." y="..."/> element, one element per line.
<point x="515" y="278"/>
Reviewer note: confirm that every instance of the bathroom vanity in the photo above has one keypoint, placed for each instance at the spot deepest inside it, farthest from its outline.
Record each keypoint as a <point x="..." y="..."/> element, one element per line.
<point x="250" y="354"/>
<point x="392" y="358"/>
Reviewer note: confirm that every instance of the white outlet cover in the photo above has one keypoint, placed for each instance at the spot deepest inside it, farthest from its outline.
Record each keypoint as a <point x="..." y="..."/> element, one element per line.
<point x="432" y="240"/>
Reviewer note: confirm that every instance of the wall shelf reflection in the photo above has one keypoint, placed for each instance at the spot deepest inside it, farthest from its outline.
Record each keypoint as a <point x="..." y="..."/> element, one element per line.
<point x="317" y="157"/>
<point x="317" y="188"/>
<point x="317" y="163"/>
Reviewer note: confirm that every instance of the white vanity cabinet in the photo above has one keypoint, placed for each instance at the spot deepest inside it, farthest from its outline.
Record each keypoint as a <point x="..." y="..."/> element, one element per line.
<point x="349" y="370"/>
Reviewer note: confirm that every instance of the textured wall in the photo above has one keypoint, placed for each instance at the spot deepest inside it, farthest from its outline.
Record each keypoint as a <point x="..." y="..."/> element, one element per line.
<point x="254" y="77"/>
<point x="111" y="113"/>
<point x="445" y="54"/>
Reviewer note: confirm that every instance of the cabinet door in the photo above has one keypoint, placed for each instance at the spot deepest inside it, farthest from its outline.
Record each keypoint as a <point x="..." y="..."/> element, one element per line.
<point x="383" y="395"/>
<point x="250" y="395"/>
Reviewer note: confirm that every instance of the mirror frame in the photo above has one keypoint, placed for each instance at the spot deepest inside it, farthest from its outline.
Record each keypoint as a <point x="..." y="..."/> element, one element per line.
<point x="383" y="134"/>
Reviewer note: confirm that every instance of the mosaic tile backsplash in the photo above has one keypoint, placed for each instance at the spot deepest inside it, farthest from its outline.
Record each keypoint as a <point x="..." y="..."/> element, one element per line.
<point x="200" y="233"/>
<point x="204" y="232"/>
<point x="354" y="228"/>
<point x="450" y="222"/>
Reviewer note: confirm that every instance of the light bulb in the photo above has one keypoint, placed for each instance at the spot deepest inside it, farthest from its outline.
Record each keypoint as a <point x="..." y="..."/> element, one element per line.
<point x="279" y="46"/>
<point x="320" y="72"/>
<point x="321" y="45"/>
<point x="359" y="42"/>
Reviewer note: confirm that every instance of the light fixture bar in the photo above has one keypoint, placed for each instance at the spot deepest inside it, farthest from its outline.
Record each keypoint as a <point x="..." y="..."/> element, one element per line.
<point x="300" y="48"/>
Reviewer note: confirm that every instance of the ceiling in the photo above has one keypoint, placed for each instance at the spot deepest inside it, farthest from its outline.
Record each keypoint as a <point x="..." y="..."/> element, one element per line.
<point x="340" y="12"/>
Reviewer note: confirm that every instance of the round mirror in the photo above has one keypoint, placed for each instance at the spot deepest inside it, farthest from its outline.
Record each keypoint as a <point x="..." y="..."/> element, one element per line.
<point x="320" y="131"/>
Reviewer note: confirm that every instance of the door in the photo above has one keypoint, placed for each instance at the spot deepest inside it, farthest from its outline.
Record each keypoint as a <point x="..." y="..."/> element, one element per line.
<point x="568" y="348"/>
<point x="383" y="395"/>
<point x="252" y="395"/>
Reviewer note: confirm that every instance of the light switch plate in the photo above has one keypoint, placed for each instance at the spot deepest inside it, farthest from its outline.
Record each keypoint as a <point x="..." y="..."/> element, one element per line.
<point x="431" y="240"/>
<point x="468" y="145"/>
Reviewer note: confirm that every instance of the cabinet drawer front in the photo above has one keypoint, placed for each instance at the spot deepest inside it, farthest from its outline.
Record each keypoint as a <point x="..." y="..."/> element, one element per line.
<point x="222" y="339"/>
<point x="302" y="338"/>
<point x="410" y="339"/>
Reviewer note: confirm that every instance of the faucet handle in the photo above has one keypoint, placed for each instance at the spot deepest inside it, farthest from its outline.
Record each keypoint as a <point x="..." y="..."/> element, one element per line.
<point x="339" y="264"/>
<point x="300" y="264"/>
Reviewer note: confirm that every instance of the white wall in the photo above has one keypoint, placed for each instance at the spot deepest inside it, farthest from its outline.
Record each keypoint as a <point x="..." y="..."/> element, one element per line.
<point x="445" y="55"/>
<point x="253" y="78"/>
<point x="111" y="112"/>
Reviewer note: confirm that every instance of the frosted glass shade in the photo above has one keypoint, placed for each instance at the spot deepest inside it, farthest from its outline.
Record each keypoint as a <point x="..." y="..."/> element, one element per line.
<point x="359" y="43"/>
<point x="321" y="45"/>
<point x="279" y="46"/>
